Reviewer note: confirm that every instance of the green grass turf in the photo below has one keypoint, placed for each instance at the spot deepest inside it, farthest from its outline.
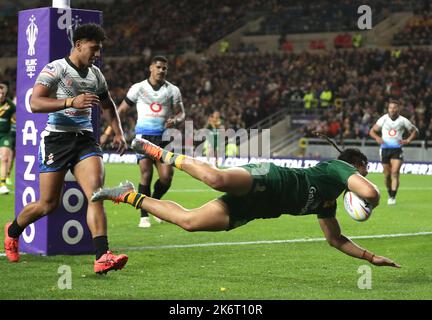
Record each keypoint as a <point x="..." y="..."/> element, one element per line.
<point x="305" y="270"/>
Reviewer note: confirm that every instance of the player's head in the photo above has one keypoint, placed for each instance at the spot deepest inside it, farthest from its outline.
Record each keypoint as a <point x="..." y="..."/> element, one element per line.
<point x="3" y="92"/>
<point x="357" y="158"/>
<point x="87" y="39"/>
<point x="158" y="68"/>
<point x="393" y="108"/>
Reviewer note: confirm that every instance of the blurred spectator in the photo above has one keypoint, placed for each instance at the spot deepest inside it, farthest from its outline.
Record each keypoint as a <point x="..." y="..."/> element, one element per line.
<point x="343" y="40"/>
<point x="317" y="44"/>
<point x="357" y="40"/>
<point x="224" y="46"/>
<point x="246" y="87"/>
<point x="417" y="31"/>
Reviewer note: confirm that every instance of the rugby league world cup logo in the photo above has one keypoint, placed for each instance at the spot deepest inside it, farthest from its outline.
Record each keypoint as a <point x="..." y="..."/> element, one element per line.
<point x="31" y="34"/>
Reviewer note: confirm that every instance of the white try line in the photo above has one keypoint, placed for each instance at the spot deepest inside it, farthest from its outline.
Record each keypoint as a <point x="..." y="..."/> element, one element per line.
<point x="211" y="190"/>
<point x="302" y="240"/>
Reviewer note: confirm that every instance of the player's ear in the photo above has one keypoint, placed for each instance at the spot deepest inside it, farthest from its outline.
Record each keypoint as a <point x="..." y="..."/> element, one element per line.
<point x="78" y="45"/>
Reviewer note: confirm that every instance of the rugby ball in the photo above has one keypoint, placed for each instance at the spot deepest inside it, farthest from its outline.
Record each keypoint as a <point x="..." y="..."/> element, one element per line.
<point x="356" y="207"/>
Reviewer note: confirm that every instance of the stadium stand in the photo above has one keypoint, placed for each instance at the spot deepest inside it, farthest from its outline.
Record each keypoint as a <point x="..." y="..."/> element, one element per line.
<point x="418" y="31"/>
<point x="341" y="91"/>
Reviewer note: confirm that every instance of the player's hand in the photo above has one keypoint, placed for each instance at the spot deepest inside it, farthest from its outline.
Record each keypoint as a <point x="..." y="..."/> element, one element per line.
<point x="383" y="261"/>
<point x="119" y="143"/>
<point x="379" y="140"/>
<point x="404" y="142"/>
<point x="103" y="140"/>
<point x="85" y="100"/>
<point x="170" y="123"/>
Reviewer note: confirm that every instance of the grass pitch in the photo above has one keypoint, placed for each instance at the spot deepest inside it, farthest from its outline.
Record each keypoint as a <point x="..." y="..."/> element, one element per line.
<point x="251" y="262"/>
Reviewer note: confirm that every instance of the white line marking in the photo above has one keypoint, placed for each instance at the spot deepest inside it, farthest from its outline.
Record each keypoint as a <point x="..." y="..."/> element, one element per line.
<point x="211" y="190"/>
<point x="192" y="190"/>
<point x="214" y="244"/>
<point x="302" y="240"/>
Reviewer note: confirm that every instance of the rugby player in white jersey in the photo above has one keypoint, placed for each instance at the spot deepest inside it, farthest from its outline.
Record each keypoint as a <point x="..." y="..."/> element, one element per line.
<point x="392" y="127"/>
<point x="68" y="89"/>
<point x="159" y="106"/>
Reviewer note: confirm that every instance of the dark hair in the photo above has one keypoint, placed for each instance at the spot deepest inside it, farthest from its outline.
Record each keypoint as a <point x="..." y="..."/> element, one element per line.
<point x="353" y="156"/>
<point x="159" y="58"/>
<point x="89" y="31"/>
<point x="395" y="101"/>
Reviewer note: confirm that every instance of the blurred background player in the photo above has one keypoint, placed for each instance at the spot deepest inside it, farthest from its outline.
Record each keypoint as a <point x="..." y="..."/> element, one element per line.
<point x="261" y="191"/>
<point x="13" y="153"/>
<point x="392" y="127"/>
<point x="68" y="141"/>
<point x="211" y="145"/>
<point x="159" y="106"/>
<point x="7" y="110"/>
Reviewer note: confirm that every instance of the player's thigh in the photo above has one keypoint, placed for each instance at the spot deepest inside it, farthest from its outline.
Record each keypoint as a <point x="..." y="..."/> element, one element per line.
<point x="237" y="181"/>
<point x="212" y="216"/>
<point x="51" y="187"/>
<point x="165" y="172"/>
<point x="386" y="169"/>
<point x="395" y="164"/>
<point x="90" y="174"/>
<point x="5" y="153"/>
<point x="146" y="170"/>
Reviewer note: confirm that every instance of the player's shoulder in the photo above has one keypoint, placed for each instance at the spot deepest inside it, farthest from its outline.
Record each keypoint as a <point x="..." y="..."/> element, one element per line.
<point x="336" y="163"/>
<point x="384" y="117"/>
<point x="171" y="85"/>
<point x="10" y="102"/>
<point x="403" y="119"/>
<point x="56" y="65"/>
<point x="140" y="85"/>
<point x="96" y="70"/>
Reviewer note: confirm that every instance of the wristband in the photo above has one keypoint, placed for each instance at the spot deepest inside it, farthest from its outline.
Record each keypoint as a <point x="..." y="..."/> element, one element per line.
<point x="68" y="102"/>
<point x="368" y="256"/>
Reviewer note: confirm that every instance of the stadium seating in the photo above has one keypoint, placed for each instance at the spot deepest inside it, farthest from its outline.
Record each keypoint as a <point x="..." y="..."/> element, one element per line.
<point x="359" y="80"/>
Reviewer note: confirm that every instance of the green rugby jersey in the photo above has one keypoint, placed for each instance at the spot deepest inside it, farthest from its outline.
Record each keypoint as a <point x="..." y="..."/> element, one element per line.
<point x="312" y="190"/>
<point x="13" y="124"/>
<point x="277" y="190"/>
<point x="7" y="109"/>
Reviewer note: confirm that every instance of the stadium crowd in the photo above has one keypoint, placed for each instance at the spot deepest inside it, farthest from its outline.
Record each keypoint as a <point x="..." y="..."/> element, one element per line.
<point x="417" y="31"/>
<point x="135" y="25"/>
<point x="192" y="25"/>
<point x="360" y="82"/>
<point x="346" y="89"/>
<point x="246" y="88"/>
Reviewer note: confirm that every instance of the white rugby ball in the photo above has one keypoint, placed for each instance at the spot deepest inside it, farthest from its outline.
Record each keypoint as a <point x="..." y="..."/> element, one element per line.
<point x="356" y="207"/>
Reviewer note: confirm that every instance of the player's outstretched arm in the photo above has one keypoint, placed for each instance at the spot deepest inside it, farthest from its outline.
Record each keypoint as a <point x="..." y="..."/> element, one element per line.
<point x="336" y="239"/>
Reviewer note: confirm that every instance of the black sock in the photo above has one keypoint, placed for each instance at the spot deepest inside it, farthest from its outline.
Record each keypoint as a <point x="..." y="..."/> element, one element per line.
<point x="393" y="193"/>
<point x="15" y="230"/>
<point x="145" y="190"/>
<point x="100" y="244"/>
<point x="159" y="189"/>
<point x="389" y="192"/>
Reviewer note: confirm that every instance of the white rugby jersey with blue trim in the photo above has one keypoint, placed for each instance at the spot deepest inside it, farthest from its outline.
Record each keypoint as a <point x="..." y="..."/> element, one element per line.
<point x="66" y="81"/>
<point x="154" y="107"/>
<point x="392" y="131"/>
